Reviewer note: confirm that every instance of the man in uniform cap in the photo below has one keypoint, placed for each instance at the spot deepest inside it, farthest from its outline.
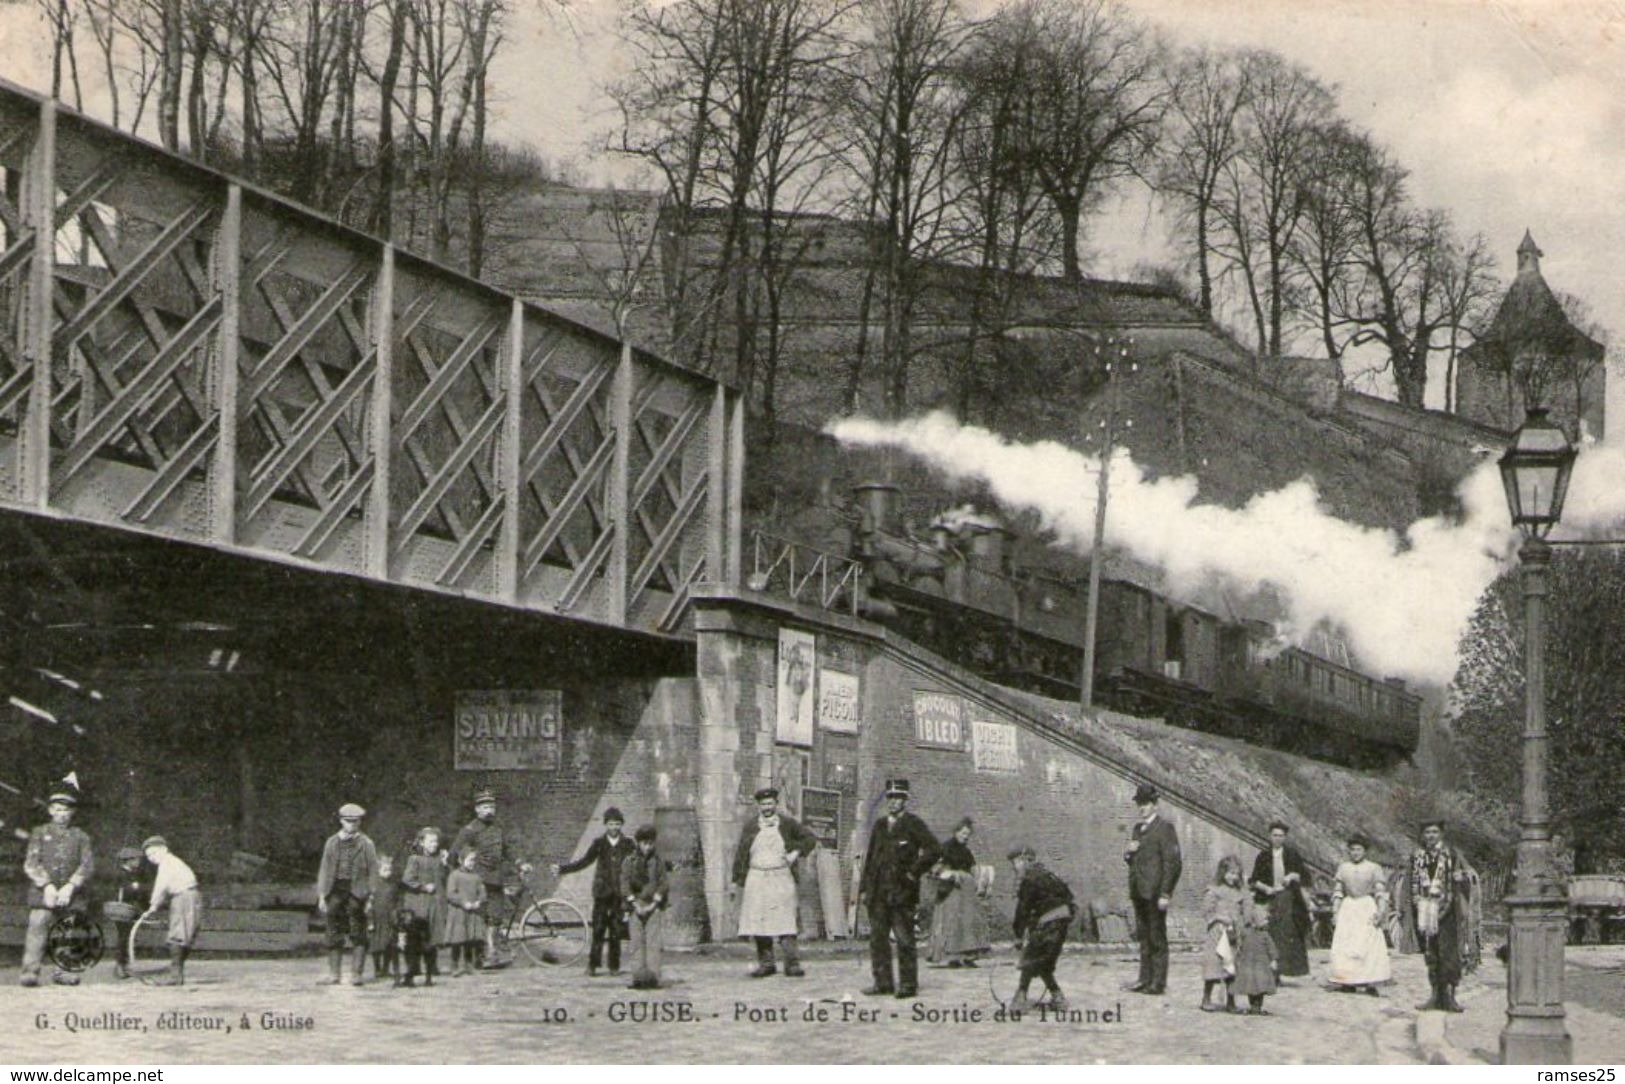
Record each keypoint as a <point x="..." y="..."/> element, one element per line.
<point x="766" y="868"/>
<point x="58" y="864"/>
<point x="495" y="863"/>
<point x="1441" y="885"/>
<point x="901" y="850"/>
<point x="349" y="862"/>
<point x="176" y="885"/>
<point x="1153" y="871"/>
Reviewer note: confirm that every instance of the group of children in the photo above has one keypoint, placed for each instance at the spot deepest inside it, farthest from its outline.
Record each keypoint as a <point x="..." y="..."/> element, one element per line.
<point x="431" y="906"/>
<point x="1240" y="954"/>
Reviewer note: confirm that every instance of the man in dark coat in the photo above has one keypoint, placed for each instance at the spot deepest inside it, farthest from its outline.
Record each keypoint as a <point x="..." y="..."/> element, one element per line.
<point x="1279" y="876"/>
<point x="58" y="864"/>
<point x="1441" y="898"/>
<point x="609" y="850"/>
<point x="497" y="866"/>
<point x="1153" y="871"/>
<point x="767" y="868"/>
<point x="901" y="850"/>
<point x="1044" y="912"/>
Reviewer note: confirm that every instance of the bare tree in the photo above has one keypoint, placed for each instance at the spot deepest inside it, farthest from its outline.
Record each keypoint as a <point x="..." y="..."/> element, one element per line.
<point x="1322" y="250"/>
<point x="1263" y="190"/>
<point x="1094" y="99"/>
<point x="719" y="105"/>
<point x="1415" y="278"/>
<point x="903" y="104"/>
<point x="1207" y="90"/>
<point x="999" y="210"/>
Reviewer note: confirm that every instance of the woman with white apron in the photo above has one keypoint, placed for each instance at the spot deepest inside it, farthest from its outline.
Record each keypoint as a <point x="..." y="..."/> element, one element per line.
<point x="1360" y="909"/>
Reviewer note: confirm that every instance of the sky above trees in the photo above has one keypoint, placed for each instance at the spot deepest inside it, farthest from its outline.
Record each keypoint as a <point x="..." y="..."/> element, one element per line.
<point x="1509" y="113"/>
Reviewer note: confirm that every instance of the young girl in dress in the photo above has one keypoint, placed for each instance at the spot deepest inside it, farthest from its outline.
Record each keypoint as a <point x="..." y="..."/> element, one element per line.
<point x="424" y="914"/>
<point x="465" y="925"/>
<point x="1255" y="959"/>
<point x="386" y="894"/>
<point x="1223" y="906"/>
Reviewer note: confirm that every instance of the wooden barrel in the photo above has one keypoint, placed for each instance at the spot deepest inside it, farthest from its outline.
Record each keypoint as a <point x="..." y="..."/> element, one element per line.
<point x="688" y="920"/>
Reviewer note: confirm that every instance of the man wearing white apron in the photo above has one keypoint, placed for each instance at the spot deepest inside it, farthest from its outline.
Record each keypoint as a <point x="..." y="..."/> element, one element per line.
<point x="770" y="846"/>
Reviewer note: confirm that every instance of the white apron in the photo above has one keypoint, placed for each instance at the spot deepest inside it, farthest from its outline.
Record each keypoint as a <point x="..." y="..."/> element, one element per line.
<point x="768" y="907"/>
<point x="1359" y="950"/>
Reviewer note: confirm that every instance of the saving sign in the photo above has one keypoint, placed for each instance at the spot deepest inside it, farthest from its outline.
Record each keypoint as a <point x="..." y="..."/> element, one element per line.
<point x="938" y="720"/>
<point x="993" y="747"/>
<point x="508" y="730"/>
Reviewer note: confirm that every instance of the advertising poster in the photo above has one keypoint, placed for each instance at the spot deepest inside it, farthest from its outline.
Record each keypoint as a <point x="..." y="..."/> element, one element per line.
<point x="839" y="709"/>
<point x="797" y="654"/>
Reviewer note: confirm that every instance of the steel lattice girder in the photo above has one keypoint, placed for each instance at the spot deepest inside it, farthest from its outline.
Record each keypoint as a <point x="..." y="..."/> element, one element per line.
<point x="207" y="344"/>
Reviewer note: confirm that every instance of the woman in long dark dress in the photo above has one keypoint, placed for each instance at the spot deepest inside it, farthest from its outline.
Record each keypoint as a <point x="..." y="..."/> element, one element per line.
<point x="1279" y="875"/>
<point x="958" y="929"/>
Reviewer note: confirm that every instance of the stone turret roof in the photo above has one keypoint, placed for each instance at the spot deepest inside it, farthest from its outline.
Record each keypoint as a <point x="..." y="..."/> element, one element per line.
<point x="1531" y="317"/>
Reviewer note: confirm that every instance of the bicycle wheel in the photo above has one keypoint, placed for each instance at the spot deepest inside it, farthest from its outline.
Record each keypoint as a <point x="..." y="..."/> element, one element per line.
<point x="553" y="932"/>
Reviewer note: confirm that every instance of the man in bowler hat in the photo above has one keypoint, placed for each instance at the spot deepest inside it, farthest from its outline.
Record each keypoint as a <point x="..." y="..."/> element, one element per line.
<point x="901" y="850"/>
<point x="1153" y="871"/>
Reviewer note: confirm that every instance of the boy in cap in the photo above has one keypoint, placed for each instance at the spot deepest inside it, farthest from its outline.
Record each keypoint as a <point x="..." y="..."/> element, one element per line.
<point x="497" y="867"/>
<point x="58" y="864"/>
<point x="175" y="885"/>
<point x="133" y="886"/>
<point x="1153" y="871"/>
<point x="609" y="851"/>
<point x="343" y="884"/>
<point x="1044" y="912"/>
<point x="901" y="850"/>
<point x="643" y="877"/>
<point x="765" y="868"/>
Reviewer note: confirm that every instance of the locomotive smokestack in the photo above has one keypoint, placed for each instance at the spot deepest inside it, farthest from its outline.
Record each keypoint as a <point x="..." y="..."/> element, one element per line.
<point x="878" y="500"/>
<point x="987" y="544"/>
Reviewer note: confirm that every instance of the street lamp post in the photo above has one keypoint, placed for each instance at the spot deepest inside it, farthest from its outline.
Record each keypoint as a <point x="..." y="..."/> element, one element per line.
<point x="1535" y="471"/>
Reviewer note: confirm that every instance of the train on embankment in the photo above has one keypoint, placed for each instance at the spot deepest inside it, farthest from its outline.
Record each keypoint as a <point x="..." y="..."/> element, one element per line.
<point x="959" y="592"/>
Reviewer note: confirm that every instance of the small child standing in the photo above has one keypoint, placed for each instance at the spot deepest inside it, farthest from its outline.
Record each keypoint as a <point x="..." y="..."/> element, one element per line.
<point x="643" y="879"/>
<point x="133" y="887"/>
<point x="424" y="914"/>
<point x="1255" y="960"/>
<point x="465" y="924"/>
<point x="385" y="899"/>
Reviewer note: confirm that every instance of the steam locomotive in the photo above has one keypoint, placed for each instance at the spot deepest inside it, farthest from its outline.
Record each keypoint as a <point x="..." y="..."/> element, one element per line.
<point x="958" y="593"/>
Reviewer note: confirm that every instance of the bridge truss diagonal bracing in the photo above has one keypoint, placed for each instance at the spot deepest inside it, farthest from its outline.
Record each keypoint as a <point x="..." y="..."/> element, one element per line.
<point x="185" y="355"/>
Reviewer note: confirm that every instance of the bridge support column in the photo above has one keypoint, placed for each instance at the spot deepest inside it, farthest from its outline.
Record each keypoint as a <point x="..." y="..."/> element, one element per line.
<point x="226" y="280"/>
<point x="508" y="466"/>
<point x="39" y="215"/>
<point x="620" y="487"/>
<point x="377" y="535"/>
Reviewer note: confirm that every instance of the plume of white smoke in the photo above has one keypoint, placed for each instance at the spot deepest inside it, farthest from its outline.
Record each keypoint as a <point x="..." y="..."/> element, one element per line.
<point x="1402" y="600"/>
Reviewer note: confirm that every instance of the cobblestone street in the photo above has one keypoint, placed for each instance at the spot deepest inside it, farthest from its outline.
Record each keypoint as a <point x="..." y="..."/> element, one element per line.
<point x="709" y="1013"/>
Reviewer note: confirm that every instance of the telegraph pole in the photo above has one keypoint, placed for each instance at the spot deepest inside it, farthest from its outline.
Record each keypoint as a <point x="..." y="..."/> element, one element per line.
<point x="1086" y="680"/>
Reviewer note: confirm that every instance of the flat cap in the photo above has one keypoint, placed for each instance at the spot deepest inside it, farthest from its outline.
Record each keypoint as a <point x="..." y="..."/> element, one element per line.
<point x="127" y="853"/>
<point x="154" y="841"/>
<point x="767" y="792"/>
<point x="350" y="809"/>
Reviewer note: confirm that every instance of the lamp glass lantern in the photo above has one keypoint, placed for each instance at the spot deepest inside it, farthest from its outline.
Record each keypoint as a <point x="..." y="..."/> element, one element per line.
<point x="1535" y="471"/>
